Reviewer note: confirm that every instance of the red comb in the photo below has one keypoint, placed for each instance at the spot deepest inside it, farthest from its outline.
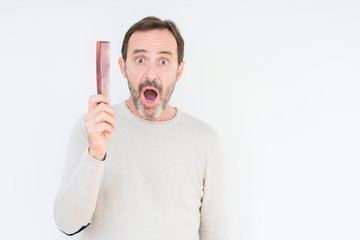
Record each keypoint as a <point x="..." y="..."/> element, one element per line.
<point x="103" y="67"/>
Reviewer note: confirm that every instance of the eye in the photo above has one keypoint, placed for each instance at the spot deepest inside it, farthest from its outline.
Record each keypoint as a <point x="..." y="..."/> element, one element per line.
<point x="139" y="60"/>
<point x="163" y="62"/>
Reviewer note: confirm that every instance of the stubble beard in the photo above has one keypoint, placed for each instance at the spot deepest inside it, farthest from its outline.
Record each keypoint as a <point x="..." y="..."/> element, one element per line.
<point x="164" y="98"/>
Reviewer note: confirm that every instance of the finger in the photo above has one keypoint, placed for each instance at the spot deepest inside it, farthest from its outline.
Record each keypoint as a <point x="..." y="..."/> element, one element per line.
<point x="100" y="128"/>
<point x="105" y="127"/>
<point x="96" y="99"/>
<point x="105" y="117"/>
<point x="101" y="117"/>
<point x="102" y="107"/>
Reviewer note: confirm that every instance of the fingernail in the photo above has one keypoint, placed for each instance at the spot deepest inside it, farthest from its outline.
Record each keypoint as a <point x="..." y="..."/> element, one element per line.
<point x="108" y="99"/>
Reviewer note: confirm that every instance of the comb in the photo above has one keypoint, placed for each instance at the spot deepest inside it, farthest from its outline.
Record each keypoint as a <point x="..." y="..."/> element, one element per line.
<point x="103" y="67"/>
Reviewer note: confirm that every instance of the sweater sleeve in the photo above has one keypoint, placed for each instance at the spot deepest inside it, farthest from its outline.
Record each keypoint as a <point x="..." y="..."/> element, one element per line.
<point x="213" y="218"/>
<point x="77" y="196"/>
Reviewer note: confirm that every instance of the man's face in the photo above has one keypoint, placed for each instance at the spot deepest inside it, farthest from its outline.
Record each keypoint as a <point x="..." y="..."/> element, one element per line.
<point x="152" y="70"/>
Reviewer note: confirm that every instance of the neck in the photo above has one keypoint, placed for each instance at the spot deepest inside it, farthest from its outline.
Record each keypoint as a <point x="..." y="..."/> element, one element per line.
<point x="168" y="114"/>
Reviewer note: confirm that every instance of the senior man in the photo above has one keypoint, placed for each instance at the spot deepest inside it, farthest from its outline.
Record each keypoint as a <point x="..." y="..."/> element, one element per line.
<point x="142" y="169"/>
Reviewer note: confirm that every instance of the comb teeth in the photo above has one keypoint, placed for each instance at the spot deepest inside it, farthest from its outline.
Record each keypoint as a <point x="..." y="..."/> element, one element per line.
<point x="103" y="67"/>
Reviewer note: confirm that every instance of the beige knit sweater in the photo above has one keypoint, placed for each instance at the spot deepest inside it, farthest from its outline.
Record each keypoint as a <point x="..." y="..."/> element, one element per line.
<point x="159" y="181"/>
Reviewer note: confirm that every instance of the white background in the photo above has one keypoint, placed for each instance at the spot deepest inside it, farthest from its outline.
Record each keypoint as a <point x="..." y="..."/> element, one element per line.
<point x="279" y="80"/>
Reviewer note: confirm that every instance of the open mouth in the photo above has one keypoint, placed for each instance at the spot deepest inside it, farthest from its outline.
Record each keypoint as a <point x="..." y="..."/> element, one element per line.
<point x="150" y="95"/>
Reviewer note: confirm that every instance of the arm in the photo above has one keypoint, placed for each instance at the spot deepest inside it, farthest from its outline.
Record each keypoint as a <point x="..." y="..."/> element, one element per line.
<point x="213" y="222"/>
<point x="76" y="199"/>
<point x="84" y="167"/>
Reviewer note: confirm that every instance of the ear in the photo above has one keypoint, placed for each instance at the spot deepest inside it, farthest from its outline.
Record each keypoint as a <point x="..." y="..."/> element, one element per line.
<point x="180" y="71"/>
<point x="122" y="66"/>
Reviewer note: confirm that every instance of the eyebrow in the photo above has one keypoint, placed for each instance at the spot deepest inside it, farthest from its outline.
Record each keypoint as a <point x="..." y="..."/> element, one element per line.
<point x="139" y="50"/>
<point x="144" y="51"/>
<point x="166" y="52"/>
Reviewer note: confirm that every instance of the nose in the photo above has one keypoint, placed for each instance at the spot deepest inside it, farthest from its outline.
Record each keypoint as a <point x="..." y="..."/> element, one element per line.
<point x="151" y="72"/>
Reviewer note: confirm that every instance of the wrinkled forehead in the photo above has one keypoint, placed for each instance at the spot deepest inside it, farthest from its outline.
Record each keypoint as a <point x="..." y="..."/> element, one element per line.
<point x="153" y="41"/>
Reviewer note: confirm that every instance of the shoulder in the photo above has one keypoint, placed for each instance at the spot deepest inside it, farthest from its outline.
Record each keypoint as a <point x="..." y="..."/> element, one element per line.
<point x="199" y="128"/>
<point x="204" y="138"/>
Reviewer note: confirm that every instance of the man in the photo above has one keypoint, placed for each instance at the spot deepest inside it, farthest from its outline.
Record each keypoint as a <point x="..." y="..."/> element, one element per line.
<point x="143" y="169"/>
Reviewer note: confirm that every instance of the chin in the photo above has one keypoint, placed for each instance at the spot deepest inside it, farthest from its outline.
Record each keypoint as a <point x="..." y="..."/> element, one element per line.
<point x="150" y="113"/>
